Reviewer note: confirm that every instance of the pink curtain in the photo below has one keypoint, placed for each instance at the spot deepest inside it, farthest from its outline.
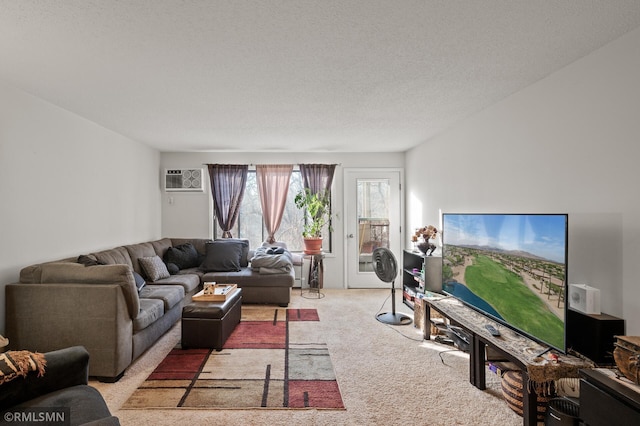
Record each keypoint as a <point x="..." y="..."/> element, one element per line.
<point x="273" y="186"/>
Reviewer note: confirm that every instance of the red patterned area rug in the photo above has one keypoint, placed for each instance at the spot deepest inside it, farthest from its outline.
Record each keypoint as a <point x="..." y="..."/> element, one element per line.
<point x="275" y="358"/>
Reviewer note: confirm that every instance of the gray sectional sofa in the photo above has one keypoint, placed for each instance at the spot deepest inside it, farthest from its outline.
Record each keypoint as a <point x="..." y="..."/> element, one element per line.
<point x="118" y="302"/>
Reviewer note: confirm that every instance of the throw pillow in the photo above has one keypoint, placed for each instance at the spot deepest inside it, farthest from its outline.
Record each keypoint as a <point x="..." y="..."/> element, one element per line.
<point x="19" y="363"/>
<point x="183" y="256"/>
<point x="140" y="282"/>
<point x="172" y="268"/>
<point x="154" y="268"/>
<point x="222" y="257"/>
<point x="88" y="260"/>
<point x="244" y="244"/>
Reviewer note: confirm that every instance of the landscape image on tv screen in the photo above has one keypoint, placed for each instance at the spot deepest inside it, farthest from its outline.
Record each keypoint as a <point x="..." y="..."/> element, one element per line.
<point x="511" y="267"/>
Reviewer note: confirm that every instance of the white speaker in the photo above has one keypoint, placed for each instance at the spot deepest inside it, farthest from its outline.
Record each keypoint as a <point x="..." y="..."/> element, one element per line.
<point x="584" y="299"/>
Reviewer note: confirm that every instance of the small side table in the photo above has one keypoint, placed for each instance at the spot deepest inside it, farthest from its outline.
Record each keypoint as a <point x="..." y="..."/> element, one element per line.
<point x="315" y="280"/>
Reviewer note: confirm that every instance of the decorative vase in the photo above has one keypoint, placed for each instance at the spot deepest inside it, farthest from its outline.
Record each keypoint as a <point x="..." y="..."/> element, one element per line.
<point x="313" y="245"/>
<point x="426" y="248"/>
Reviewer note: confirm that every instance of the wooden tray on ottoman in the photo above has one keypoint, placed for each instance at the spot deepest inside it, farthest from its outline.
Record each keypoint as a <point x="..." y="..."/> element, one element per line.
<point x="221" y="293"/>
<point x="627" y="356"/>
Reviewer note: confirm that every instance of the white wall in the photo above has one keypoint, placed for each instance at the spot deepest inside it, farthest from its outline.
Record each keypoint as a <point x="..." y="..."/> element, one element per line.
<point x="569" y="143"/>
<point x="188" y="216"/>
<point x="68" y="186"/>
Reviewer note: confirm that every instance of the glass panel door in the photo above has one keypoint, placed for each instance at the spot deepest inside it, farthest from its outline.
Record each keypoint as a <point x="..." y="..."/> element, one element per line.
<point x="373" y="197"/>
<point x="373" y="207"/>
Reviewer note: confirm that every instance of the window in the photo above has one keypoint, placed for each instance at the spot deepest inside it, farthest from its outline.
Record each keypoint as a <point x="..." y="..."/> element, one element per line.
<point x="251" y="226"/>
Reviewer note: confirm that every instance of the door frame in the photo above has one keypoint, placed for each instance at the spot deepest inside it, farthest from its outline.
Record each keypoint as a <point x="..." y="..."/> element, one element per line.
<point x="401" y="215"/>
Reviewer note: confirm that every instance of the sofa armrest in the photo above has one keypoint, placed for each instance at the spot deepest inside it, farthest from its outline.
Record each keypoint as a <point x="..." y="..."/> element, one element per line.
<point x="48" y="317"/>
<point x="65" y="368"/>
<point x="122" y="275"/>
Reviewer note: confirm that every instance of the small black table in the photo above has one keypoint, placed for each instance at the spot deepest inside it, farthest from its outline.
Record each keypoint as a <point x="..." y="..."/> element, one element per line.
<point x="209" y="324"/>
<point x="315" y="278"/>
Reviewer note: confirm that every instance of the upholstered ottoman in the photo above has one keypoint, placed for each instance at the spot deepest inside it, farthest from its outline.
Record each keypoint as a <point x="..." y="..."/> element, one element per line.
<point x="209" y="324"/>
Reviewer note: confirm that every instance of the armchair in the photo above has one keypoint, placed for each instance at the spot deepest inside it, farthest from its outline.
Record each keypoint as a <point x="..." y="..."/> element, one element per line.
<point x="64" y="385"/>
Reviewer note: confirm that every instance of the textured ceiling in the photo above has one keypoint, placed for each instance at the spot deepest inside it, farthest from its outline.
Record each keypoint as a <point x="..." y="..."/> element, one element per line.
<point x="293" y="75"/>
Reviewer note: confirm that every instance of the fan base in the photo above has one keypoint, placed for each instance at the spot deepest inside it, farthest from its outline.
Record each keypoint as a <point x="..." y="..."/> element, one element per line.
<point x="394" y="318"/>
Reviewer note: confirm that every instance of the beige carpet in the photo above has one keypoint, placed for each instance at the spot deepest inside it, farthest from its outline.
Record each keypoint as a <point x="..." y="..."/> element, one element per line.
<point x="386" y="374"/>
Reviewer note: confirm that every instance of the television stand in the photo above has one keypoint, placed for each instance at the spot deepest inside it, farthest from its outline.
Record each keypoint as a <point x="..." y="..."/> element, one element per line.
<point x="522" y="351"/>
<point x="544" y="352"/>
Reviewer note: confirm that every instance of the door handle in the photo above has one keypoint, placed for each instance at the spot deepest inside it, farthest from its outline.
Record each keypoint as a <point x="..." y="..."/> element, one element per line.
<point x="350" y="236"/>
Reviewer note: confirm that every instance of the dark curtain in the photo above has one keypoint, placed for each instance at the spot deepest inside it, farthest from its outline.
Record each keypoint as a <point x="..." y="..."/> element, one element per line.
<point x="228" y="182"/>
<point x="317" y="177"/>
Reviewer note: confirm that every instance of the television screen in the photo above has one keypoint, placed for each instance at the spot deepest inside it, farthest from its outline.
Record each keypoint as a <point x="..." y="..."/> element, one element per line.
<point x="510" y="267"/>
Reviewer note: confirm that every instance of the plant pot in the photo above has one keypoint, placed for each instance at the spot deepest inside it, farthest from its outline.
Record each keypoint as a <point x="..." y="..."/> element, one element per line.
<point x="313" y="245"/>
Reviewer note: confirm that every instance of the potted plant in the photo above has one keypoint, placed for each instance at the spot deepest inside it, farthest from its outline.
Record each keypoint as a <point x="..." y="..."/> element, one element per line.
<point x="317" y="215"/>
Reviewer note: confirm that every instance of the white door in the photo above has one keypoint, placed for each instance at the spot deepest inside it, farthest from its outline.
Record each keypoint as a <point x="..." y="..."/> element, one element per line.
<point x="372" y="206"/>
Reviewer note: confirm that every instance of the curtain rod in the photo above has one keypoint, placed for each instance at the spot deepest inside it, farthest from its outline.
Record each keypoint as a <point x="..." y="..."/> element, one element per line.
<point x="267" y="164"/>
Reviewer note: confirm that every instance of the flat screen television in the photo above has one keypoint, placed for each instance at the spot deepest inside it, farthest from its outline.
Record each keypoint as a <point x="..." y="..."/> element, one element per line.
<point x="511" y="268"/>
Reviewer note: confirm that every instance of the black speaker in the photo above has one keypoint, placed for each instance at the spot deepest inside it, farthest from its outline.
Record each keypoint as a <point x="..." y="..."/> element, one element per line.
<point x="593" y="335"/>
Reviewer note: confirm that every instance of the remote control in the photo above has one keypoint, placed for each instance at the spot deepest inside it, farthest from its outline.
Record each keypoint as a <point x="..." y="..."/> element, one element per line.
<point x="491" y="329"/>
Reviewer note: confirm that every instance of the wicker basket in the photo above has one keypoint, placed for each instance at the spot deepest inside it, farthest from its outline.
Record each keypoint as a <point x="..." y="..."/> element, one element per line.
<point x="627" y="356"/>
<point x="512" y="391"/>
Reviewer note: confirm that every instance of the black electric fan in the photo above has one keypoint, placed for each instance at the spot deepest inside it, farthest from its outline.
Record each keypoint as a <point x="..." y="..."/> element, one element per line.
<point x="386" y="268"/>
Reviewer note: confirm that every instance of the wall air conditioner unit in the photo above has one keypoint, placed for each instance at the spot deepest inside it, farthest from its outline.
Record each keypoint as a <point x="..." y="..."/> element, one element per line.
<point x="584" y="299"/>
<point x="184" y="180"/>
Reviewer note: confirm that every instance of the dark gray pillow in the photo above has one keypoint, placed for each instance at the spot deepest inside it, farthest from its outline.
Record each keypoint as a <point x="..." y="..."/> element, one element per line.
<point x="172" y="268"/>
<point x="184" y="256"/>
<point x="88" y="260"/>
<point x="140" y="282"/>
<point x="222" y="257"/>
<point x="244" y="257"/>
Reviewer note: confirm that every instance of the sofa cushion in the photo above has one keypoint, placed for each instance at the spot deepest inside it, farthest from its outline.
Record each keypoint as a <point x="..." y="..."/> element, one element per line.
<point x="138" y="251"/>
<point x="161" y="246"/>
<point x="189" y="282"/>
<point x="183" y="256"/>
<point x="170" y="295"/>
<point x="153" y="268"/>
<point x="222" y="257"/>
<point x="150" y="311"/>
<point x="114" y="256"/>
<point x="250" y="278"/>
<point x="32" y="274"/>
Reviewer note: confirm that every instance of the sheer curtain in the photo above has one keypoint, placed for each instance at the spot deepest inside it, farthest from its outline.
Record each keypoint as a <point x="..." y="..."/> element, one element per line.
<point x="228" y="182"/>
<point x="273" y="186"/>
<point x="317" y="177"/>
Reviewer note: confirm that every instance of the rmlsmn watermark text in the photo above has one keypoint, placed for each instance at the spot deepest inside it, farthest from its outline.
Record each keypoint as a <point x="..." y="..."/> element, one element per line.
<point x="33" y="416"/>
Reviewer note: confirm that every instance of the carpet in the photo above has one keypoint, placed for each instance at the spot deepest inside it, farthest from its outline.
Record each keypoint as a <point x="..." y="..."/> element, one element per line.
<point x="275" y="358"/>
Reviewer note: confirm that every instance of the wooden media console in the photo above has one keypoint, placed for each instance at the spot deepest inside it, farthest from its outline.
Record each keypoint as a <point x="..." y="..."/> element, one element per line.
<point x="526" y="354"/>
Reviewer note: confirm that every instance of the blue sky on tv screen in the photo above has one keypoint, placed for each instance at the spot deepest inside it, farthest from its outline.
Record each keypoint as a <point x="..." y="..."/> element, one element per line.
<point x="543" y="235"/>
